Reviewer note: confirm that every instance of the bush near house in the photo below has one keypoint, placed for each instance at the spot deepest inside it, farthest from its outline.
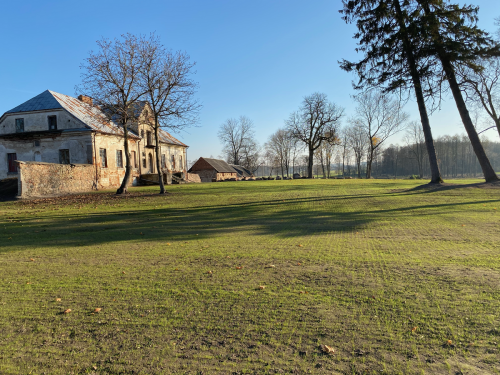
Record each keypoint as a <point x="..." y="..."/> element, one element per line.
<point x="303" y="276"/>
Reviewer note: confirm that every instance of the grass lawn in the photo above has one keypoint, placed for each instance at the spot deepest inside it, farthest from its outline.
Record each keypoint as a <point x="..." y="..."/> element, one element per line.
<point x="397" y="279"/>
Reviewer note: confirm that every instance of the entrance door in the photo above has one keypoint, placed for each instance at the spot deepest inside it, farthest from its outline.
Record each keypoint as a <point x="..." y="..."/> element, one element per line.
<point x="151" y="165"/>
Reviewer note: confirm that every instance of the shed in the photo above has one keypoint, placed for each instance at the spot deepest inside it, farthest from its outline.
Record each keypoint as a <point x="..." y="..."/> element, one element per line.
<point x="213" y="170"/>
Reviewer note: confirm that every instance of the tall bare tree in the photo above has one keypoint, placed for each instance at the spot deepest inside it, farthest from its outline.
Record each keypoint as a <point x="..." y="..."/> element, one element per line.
<point x="165" y="77"/>
<point x="315" y="122"/>
<point x="251" y="155"/>
<point x="356" y="138"/>
<point x="237" y="135"/>
<point x="281" y="144"/>
<point x="110" y="77"/>
<point x="482" y="87"/>
<point x="380" y="117"/>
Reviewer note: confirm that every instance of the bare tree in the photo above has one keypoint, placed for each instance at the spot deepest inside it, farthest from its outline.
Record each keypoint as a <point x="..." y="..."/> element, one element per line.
<point x="250" y="155"/>
<point x="281" y="144"/>
<point x="345" y="147"/>
<point x="415" y="141"/>
<point x="356" y="139"/>
<point x="482" y="87"/>
<point x="380" y="117"/>
<point x="315" y="122"/>
<point x="236" y="136"/>
<point x="110" y="77"/>
<point x="165" y="77"/>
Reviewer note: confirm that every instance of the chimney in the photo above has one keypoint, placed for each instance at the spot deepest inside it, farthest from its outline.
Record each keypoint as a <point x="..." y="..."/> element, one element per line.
<point x="86" y="99"/>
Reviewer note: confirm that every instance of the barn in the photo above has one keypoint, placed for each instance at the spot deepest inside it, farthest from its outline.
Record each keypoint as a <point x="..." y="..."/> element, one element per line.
<point x="211" y="170"/>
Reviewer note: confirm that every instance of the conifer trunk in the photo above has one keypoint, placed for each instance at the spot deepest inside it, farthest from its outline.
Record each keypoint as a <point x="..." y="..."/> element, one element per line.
<point x="424" y="118"/>
<point x="488" y="172"/>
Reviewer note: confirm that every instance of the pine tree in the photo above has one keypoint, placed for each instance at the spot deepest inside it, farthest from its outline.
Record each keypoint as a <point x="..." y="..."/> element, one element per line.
<point x="395" y="58"/>
<point x="454" y="38"/>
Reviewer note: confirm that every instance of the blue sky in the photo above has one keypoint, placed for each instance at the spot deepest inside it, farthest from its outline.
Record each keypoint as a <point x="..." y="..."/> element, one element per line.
<point x="254" y="58"/>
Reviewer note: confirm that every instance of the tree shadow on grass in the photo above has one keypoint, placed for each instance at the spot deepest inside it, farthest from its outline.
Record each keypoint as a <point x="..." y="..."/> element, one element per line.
<point x="431" y="188"/>
<point x="279" y="217"/>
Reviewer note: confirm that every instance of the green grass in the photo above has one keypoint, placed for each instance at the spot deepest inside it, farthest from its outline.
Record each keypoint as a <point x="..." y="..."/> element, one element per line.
<point x="358" y="265"/>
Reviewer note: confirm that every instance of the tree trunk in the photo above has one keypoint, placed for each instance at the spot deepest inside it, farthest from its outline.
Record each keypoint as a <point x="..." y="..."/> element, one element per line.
<point x="310" y="163"/>
<point x="128" y="168"/>
<point x="488" y="172"/>
<point x="369" y="163"/>
<point x="158" y="156"/>
<point x="424" y="118"/>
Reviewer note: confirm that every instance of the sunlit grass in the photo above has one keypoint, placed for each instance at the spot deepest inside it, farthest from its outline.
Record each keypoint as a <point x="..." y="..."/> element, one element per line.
<point x="395" y="279"/>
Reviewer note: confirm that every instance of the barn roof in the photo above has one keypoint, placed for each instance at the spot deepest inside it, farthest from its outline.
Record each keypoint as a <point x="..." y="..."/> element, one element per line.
<point x="242" y="171"/>
<point x="220" y="165"/>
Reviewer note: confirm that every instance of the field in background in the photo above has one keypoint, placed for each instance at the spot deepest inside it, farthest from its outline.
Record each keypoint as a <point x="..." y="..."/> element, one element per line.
<point x="397" y="279"/>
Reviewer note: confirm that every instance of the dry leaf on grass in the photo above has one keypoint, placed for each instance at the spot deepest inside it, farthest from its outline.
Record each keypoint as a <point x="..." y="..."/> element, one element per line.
<point x="327" y="349"/>
<point x="58" y="300"/>
<point x="67" y="311"/>
<point x="413" y="329"/>
<point x="262" y="286"/>
<point x="97" y="310"/>
<point x="32" y="259"/>
<point x="209" y="272"/>
<point x="239" y="268"/>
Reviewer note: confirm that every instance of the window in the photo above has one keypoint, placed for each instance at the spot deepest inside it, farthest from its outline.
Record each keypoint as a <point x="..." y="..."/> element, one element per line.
<point x="64" y="156"/>
<point x="163" y="161"/>
<point x="142" y="133"/>
<point x="11" y="159"/>
<point x="104" y="160"/>
<point x="52" y="122"/>
<point x="119" y="159"/>
<point x="133" y="160"/>
<point x="37" y="143"/>
<point x="180" y="163"/>
<point x="173" y="162"/>
<point x="150" y="139"/>
<point x="144" y="163"/>
<point x="19" y="125"/>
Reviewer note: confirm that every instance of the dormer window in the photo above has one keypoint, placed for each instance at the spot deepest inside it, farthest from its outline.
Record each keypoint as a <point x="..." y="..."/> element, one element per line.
<point x="19" y="125"/>
<point x="52" y="122"/>
<point x="142" y="133"/>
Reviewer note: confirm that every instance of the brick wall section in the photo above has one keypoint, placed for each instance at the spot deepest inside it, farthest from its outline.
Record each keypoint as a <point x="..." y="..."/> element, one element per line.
<point x="37" y="179"/>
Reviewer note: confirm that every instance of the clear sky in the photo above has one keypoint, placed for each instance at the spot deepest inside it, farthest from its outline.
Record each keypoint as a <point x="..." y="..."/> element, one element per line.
<point x="256" y="58"/>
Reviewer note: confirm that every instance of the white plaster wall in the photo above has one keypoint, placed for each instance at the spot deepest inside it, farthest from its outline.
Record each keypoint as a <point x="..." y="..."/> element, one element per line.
<point x="48" y="149"/>
<point x="112" y="175"/>
<point x="38" y="121"/>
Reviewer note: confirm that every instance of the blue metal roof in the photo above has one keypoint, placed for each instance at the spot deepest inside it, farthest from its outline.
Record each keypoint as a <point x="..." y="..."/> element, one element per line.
<point x="40" y="102"/>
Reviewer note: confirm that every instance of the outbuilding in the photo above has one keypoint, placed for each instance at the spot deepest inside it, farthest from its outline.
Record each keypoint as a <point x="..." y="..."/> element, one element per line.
<point x="211" y="170"/>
